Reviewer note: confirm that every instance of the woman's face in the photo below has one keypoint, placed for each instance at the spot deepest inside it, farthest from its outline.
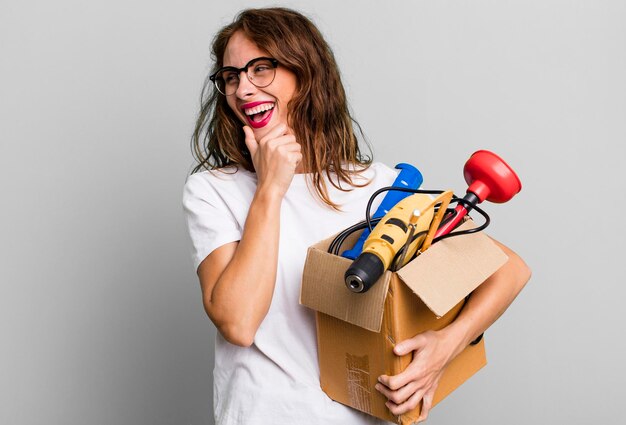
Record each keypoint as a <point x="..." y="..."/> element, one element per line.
<point x="260" y="108"/>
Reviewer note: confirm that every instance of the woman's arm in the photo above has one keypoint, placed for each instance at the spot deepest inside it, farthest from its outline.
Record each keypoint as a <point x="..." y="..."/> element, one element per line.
<point x="489" y="300"/>
<point x="238" y="278"/>
<point x="433" y="350"/>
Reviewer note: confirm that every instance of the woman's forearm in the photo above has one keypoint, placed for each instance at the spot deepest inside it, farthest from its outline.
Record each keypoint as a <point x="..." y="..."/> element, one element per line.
<point x="488" y="301"/>
<point x="243" y="293"/>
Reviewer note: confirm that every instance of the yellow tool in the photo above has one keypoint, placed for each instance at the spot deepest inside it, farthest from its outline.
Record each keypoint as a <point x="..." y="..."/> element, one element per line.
<point x="411" y="223"/>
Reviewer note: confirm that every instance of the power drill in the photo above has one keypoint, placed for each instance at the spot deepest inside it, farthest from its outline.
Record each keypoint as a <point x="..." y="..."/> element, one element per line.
<point x="387" y="238"/>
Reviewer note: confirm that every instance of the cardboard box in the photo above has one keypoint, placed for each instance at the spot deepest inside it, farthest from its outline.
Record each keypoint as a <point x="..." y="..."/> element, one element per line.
<point x="356" y="333"/>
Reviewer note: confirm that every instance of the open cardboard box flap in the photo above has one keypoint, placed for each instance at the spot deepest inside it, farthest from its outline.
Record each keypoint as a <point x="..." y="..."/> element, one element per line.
<point x="441" y="277"/>
<point x="323" y="289"/>
<point x="451" y="269"/>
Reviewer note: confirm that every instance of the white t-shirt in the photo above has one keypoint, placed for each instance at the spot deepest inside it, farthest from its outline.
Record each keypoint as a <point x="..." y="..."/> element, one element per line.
<point x="276" y="380"/>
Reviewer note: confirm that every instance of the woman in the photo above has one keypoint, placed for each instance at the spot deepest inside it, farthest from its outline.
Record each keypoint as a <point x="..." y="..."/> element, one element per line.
<point x="275" y="122"/>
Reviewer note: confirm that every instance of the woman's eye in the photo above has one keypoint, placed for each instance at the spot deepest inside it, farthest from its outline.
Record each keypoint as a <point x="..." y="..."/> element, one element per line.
<point x="230" y="77"/>
<point x="261" y="68"/>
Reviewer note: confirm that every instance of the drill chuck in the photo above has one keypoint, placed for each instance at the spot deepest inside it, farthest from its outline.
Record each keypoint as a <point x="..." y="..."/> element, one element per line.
<point x="364" y="272"/>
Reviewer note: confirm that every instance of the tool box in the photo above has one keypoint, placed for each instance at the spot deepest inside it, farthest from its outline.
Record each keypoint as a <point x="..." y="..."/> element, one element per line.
<point x="356" y="332"/>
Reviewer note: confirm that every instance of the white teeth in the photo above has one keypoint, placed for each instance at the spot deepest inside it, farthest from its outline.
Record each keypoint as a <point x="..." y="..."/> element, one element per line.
<point x="260" y="108"/>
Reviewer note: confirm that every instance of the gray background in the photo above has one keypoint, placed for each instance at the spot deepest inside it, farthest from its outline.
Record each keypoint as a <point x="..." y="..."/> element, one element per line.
<point x="100" y="311"/>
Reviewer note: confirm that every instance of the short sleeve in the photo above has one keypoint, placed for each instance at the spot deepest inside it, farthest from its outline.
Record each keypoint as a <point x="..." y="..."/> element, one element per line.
<point x="389" y="172"/>
<point x="210" y="222"/>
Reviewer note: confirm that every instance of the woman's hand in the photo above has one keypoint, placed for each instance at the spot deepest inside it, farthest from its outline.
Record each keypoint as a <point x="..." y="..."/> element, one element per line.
<point x="432" y="352"/>
<point x="275" y="157"/>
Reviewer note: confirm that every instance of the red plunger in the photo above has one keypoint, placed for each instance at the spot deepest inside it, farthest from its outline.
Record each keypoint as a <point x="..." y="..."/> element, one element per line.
<point x="488" y="177"/>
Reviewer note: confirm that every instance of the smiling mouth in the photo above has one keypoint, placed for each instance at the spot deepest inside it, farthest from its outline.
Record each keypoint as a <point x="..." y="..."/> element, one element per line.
<point x="259" y="115"/>
<point x="260" y="112"/>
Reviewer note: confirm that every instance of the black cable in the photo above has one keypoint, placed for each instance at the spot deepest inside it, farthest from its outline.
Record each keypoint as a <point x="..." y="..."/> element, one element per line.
<point x="449" y="215"/>
<point x="335" y="245"/>
<point x="468" y="231"/>
<point x="338" y="241"/>
<point x="341" y="237"/>
<point x="394" y="266"/>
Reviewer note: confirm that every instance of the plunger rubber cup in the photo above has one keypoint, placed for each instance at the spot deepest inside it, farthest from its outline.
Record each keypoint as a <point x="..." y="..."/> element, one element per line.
<point x="490" y="178"/>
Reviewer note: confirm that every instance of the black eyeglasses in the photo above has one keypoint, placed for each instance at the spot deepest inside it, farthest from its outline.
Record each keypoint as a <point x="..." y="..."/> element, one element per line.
<point x="260" y="72"/>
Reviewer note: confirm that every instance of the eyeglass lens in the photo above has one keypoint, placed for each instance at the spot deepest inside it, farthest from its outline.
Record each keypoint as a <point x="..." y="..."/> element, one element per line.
<point x="260" y="72"/>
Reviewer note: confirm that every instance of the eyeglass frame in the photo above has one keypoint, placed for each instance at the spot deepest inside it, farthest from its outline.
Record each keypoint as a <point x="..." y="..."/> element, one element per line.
<point x="213" y="77"/>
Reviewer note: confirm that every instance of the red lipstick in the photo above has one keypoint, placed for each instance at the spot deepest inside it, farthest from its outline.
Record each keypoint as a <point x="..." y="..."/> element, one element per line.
<point x="264" y="121"/>
<point x="253" y="104"/>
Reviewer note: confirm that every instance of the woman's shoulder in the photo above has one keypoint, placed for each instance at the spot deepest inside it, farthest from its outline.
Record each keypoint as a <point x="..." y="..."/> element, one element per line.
<point x="219" y="179"/>
<point x="384" y="169"/>
<point x="377" y="171"/>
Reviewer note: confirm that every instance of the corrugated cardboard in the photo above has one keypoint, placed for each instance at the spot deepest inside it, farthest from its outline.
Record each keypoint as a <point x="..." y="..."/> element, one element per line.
<point x="357" y="332"/>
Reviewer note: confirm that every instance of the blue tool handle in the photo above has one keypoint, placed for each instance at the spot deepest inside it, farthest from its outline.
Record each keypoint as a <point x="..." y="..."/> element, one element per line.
<point x="409" y="177"/>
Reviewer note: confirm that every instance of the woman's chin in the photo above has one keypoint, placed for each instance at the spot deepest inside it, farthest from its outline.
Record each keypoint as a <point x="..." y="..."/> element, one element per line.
<point x="259" y="133"/>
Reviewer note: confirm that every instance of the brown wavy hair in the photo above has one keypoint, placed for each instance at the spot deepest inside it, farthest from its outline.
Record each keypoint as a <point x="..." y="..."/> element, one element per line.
<point x="318" y="112"/>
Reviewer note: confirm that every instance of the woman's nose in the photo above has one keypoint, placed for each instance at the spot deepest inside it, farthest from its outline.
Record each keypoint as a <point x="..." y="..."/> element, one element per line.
<point x="245" y="88"/>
